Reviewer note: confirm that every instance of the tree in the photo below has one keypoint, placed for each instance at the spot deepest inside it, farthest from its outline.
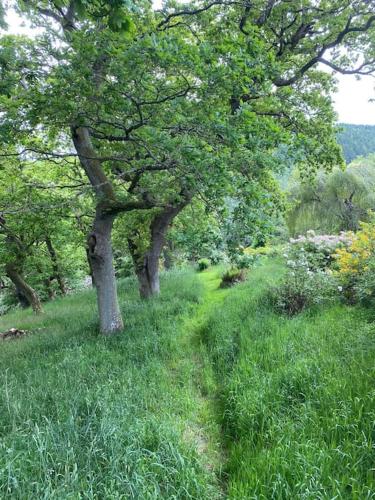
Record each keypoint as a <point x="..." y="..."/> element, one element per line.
<point x="159" y="104"/>
<point x="337" y="201"/>
<point x="38" y="240"/>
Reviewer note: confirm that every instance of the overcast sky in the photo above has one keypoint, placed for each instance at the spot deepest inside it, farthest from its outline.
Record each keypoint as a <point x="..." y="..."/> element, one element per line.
<point x="351" y="101"/>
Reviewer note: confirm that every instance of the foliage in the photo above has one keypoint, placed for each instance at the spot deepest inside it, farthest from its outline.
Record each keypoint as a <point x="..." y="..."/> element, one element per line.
<point x="302" y="288"/>
<point x="203" y="264"/>
<point x="39" y="232"/>
<point x="309" y="280"/>
<point x="355" y="265"/>
<point x="356" y="140"/>
<point x="347" y="195"/>
<point x="232" y="276"/>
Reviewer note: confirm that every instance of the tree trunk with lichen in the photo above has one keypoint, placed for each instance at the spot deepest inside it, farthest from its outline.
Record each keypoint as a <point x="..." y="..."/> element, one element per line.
<point x="146" y="264"/>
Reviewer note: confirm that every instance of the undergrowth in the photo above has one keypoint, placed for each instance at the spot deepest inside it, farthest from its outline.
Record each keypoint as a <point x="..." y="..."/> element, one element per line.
<point x="208" y="393"/>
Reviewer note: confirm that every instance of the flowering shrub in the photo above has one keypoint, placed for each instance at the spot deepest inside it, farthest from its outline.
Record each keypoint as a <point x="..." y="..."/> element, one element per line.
<point x="309" y="280"/>
<point x="303" y="287"/>
<point x="318" y="249"/>
<point x="356" y="265"/>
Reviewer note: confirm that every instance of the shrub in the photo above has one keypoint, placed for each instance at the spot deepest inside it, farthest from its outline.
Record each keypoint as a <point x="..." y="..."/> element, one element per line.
<point x="244" y="261"/>
<point x="356" y="266"/>
<point x="259" y="251"/>
<point x="319" y="249"/>
<point x="232" y="277"/>
<point x="303" y="286"/>
<point x="203" y="264"/>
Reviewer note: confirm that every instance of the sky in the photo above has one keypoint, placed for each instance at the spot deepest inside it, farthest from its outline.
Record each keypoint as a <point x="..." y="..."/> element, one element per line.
<point x="351" y="101"/>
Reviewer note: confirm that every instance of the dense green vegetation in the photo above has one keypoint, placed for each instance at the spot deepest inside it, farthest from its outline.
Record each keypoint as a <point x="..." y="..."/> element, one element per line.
<point x="356" y="140"/>
<point x="190" y="152"/>
<point x="210" y="394"/>
<point x="96" y="418"/>
<point x="347" y="195"/>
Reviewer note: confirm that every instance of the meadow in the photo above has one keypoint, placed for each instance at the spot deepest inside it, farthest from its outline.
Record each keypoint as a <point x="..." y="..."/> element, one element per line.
<point x="208" y="393"/>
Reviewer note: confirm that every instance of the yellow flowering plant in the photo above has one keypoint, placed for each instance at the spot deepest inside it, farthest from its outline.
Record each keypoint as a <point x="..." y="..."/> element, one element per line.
<point x="355" y="265"/>
<point x="354" y="258"/>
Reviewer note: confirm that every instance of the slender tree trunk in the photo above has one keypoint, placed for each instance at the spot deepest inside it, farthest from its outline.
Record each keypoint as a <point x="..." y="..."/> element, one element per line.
<point x="147" y="264"/>
<point x="23" y="288"/>
<point x="55" y="266"/>
<point x="147" y="271"/>
<point x="101" y="262"/>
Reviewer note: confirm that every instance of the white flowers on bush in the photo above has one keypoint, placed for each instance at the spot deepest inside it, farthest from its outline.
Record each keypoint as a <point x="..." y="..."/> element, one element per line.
<point x="310" y="280"/>
<point x="324" y="242"/>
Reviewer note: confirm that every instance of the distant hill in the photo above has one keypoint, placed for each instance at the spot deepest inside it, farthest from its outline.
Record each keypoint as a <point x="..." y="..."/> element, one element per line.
<point x="357" y="140"/>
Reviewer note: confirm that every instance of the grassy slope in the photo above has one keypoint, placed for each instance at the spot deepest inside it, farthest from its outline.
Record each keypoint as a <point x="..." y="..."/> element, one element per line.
<point x="88" y="417"/>
<point x="296" y="397"/>
<point x="203" y="379"/>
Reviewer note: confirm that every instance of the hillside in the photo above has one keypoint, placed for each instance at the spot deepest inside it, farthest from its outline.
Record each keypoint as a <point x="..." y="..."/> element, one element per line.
<point x="356" y="140"/>
<point x="207" y="394"/>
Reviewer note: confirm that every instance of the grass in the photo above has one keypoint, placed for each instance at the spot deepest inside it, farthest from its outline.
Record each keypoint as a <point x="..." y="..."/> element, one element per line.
<point x="207" y="394"/>
<point x="295" y="397"/>
<point x="89" y="417"/>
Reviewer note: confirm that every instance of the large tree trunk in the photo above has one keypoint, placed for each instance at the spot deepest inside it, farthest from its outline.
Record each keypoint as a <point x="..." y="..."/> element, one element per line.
<point x="99" y="240"/>
<point x="101" y="262"/>
<point x="22" y="288"/>
<point x="55" y="266"/>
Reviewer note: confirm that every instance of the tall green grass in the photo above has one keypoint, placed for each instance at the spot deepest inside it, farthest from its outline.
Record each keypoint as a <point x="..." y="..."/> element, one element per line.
<point x="208" y="393"/>
<point x="107" y="418"/>
<point x="295" y="396"/>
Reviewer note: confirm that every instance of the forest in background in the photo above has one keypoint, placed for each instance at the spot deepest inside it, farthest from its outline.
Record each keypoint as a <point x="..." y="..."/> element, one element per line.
<point x="356" y="140"/>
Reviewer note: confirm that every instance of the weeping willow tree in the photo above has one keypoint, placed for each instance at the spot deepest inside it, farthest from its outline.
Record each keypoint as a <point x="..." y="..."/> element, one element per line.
<point x="335" y="202"/>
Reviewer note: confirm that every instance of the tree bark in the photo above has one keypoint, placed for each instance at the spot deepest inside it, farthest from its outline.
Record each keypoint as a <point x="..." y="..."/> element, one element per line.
<point x="99" y="245"/>
<point x="147" y="264"/>
<point x="101" y="262"/>
<point x="55" y="266"/>
<point x="23" y="288"/>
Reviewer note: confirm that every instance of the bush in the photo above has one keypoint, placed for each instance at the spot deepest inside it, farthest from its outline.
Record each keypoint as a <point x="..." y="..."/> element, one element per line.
<point x="203" y="264"/>
<point x="303" y="286"/>
<point x="232" y="277"/>
<point x="356" y="266"/>
<point x="319" y="249"/>
<point x="244" y="260"/>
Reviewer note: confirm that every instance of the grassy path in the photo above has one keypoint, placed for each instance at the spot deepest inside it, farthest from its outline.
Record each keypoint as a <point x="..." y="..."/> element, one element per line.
<point x="205" y="430"/>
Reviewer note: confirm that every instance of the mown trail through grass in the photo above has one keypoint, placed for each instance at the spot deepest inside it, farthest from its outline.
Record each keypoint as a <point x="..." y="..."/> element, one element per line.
<point x="295" y="396"/>
<point x="206" y="431"/>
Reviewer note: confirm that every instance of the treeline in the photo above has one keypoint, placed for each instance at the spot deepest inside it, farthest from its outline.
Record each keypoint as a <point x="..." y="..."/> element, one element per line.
<point x="356" y="140"/>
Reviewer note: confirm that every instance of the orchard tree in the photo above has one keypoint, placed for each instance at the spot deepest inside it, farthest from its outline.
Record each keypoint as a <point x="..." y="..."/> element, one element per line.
<point x="162" y="107"/>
